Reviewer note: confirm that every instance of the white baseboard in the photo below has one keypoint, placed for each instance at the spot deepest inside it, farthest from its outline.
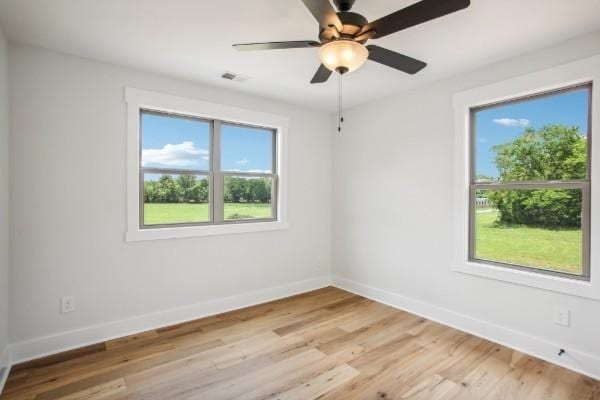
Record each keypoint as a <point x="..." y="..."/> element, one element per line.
<point x="573" y="359"/>
<point x="47" y="345"/>
<point x="4" y="362"/>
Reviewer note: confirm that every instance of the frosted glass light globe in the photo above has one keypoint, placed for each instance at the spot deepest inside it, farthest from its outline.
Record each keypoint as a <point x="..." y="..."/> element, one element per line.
<point x="343" y="54"/>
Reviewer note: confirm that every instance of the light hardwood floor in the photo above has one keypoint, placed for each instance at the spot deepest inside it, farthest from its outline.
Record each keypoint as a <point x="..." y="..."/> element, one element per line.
<point x="326" y="344"/>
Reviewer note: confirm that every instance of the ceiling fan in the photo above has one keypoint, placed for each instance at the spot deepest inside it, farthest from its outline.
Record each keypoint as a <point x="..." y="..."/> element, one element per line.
<point x="343" y="34"/>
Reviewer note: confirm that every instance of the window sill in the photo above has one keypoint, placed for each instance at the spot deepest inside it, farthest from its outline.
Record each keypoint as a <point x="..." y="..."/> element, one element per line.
<point x="575" y="287"/>
<point x="197" y="231"/>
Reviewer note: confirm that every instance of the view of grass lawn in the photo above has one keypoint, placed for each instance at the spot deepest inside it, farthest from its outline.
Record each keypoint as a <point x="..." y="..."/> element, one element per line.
<point x="176" y="213"/>
<point x="247" y="210"/>
<point x="552" y="249"/>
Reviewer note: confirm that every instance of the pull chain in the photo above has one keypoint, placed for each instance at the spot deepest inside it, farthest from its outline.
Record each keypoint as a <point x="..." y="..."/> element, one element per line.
<point x="340" y="103"/>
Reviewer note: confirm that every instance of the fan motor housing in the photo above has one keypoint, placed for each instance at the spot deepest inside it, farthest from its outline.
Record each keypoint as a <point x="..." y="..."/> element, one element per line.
<point x="352" y="24"/>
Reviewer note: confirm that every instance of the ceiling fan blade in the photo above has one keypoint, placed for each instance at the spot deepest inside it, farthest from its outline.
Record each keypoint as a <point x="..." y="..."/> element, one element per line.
<point x="322" y="75"/>
<point x="395" y="60"/>
<point x="324" y="13"/>
<point x="416" y="14"/>
<point x="276" y="45"/>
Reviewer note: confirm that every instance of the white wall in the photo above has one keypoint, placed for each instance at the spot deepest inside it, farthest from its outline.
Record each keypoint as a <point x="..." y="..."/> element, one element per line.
<point x="68" y="171"/>
<point x="393" y="196"/>
<point x="4" y="197"/>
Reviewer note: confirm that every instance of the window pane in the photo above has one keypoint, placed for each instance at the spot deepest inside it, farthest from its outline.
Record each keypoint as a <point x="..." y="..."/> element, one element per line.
<point x="247" y="198"/>
<point x="246" y="149"/>
<point x="538" y="139"/>
<point x="531" y="228"/>
<point x="175" y="199"/>
<point x="174" y="142"/>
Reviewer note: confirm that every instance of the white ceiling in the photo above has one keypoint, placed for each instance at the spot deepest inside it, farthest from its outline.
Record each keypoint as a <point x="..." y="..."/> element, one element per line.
<point x="192" y="39"/>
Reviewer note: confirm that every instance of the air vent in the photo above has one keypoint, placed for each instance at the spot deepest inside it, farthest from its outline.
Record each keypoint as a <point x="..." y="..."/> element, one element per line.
<point x="232" y="76"/>
<point x="228" y="76"/>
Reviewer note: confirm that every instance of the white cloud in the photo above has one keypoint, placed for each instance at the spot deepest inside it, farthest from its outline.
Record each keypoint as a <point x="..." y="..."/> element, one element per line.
<point x="243" y="161"/>
<point x="512" y="122"/>
<point x="182" y="155"/>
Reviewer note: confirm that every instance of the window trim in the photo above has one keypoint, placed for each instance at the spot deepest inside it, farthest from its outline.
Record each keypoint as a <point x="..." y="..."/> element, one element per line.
<point x="581" y="184"/>
<point x="141" y="100"/>
<point x="563" y="76"/>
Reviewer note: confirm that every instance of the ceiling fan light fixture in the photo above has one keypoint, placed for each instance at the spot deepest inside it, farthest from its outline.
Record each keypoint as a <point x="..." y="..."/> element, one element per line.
<point x="343" y="55"/>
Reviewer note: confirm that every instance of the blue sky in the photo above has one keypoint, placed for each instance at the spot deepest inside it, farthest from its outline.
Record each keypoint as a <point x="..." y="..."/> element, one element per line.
<point x="183" y="143"/>
<point x="246" y="149"/>
<point x="504" y="123"/>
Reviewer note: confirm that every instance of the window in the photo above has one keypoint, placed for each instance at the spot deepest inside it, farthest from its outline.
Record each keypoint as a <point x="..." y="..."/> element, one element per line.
<point x="197" y="172"/>
<point x="248" y="163"/>
<point x="530" y="183"/>
<point x="197" y="168"/>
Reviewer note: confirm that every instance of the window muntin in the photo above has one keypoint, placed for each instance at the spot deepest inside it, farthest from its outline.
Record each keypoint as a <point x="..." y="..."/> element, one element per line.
<point x="181" y="179"/>
<point x="530" y="162"/>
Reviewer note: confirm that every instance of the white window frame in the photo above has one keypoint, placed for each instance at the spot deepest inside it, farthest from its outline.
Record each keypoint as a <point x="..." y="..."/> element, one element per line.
<point x="566" y="75"/>
<point x="142" y="100"/>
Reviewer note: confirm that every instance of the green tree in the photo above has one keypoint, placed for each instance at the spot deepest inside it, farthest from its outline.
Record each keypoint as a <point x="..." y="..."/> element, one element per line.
<point x="554" y="152"/>
<point x="185" y="188"/>
<point x="199" y="192"/>
<point x="192" y="190"/>
<point x="150" y="192"/>
<point x="258" y="191"/>
<point x="484" y="178"/>
<point x="168" y="190"/>
<point x="236" y="189"/>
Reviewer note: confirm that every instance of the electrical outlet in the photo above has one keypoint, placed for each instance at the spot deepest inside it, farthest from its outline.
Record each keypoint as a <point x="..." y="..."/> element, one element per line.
<point x="67" y="304"/>
<point x="562" y="316"/>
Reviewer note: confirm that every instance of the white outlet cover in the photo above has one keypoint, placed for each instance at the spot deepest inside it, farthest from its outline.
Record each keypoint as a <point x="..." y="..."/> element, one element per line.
<point x="67" y="304"/>
<point x="562" y="316"/>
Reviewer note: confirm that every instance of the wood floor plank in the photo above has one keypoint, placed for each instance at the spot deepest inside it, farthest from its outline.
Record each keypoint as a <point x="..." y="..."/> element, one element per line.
<point x="98" y="392"/>
<point x="181" y="372"/>
<point x="265" y="379"/>
<point x="480" y="380"/>
<point x="321" y="384"/>
<point x="434" y="387"/>
<point x="128" y="340"/>
<point x="38" y="383"/>
<point x="126" y="369"/>
<point x="29" y="366"/>
<point x="324" y="344"/>
<point x="302" y="375"/>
